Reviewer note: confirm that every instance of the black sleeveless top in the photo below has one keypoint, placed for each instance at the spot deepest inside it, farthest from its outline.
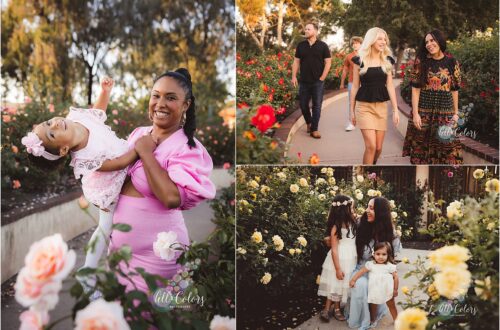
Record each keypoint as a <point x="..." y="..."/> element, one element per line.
<point x="373" y="83"/>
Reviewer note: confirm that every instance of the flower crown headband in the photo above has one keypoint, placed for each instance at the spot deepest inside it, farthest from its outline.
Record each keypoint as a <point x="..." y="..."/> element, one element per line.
<point x="344" y="203"/>
<point x="34" y="146"/>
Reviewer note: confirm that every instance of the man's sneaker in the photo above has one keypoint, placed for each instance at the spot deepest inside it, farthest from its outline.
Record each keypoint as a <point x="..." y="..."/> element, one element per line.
<point x="350" y="127"/>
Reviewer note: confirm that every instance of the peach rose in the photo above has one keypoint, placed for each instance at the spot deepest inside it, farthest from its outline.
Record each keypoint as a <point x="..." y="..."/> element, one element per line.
<point x="41" y="296"/>
<point x="33" y="319"/>
<point x="101" y="314"/>
<point x="49" y="259"/>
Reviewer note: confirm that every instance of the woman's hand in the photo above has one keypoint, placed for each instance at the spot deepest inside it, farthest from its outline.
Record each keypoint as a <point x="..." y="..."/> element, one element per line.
<point x="353" y="118"/>
<point x="395" y="293"/>
<point x="107" y="84"/>
<point x="417" y="121"/>
<point x="395" y="118"/>
<point x="339" y="274"/>
<point x="145" y="144"/>
<point x="352" y="283"/>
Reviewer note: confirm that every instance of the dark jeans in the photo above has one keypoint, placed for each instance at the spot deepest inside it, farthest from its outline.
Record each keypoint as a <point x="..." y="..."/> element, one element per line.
<point x="314" y="91"/>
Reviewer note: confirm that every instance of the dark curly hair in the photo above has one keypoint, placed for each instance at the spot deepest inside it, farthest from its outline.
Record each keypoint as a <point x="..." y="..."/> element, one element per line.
<point x="341" y="217"/>
<point x="380" y="230"/>
<point x="183" y="78"/>
<point x="48" y="165"/>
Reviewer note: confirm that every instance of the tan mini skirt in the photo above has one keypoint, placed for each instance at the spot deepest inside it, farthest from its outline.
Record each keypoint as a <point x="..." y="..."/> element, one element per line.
<point x="371" y="115"/>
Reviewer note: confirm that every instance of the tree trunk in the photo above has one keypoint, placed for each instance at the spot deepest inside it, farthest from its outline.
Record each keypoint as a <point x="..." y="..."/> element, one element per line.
<point x="280" y="23"/>
<point x="254" y="37"/>
<point x="263" y="30"/>
<point x="89" y="85"/>
<point x="399" y="55"/>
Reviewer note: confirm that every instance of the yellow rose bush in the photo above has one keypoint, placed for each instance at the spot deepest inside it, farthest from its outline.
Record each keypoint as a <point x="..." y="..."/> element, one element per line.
<point x="458" y="283"/>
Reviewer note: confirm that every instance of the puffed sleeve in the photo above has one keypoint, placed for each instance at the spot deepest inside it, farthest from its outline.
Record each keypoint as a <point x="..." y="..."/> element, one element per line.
<point x="456" y="78"/>
<point x="369" y="265"/>
<point x="190" y="169"/>
<point x="356" y="60"/>
<point x="415" y="75"/>
<point x="391" y="59"/>
<point x="391" y="267"/>
<point x="95" y="114"/>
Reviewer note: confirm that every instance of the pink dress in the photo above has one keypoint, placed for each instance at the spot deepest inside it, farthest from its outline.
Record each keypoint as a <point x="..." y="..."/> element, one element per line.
<point x="99" y="188"/>
<point x="190" y="169"/>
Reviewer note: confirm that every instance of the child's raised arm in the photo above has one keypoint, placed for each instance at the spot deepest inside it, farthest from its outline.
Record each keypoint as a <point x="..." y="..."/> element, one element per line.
<point x="103" y="98"/>
<point x="356" y="276"/>
<point x="119" y="163"/>
<point x="335" y="253"/>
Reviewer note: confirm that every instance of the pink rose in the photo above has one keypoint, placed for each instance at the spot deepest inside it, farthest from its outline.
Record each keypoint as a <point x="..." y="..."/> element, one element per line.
<point x="33" y="319"/>
<point x="223" y="323"/>
<point x="31" y="293"/>
<point x="49" y="259"/>
<point x="101" y="314"/>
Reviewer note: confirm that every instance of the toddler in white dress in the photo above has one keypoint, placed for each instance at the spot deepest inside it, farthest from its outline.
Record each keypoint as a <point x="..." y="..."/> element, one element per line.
<point x="98" y="157"/>
<point x="382" y="280"/>
<point x="341" y="259"/>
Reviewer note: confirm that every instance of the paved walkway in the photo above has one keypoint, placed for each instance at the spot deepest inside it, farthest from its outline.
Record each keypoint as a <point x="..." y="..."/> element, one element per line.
<point x="338" y="147"/>
<point x="386" y="323"/>
<point x="197" y="222"/>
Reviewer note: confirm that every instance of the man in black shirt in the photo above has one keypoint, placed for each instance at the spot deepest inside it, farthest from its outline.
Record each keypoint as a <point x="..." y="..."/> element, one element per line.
<point x="313" y="58"/>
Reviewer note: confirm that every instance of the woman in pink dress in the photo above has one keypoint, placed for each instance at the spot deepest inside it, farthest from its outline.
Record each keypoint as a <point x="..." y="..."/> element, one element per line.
<point x="171" y="175"/>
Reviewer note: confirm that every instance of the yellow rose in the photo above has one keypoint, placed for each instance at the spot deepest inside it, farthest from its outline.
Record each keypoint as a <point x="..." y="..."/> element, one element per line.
<point x="371" y="193"/>
<point x="405" y="214"/>
<point x="294" y="188"/>
<point x="483" y="288"/>
<point x="332" y="192"/>
<point x="360" y="178"/>
<point x="405" y="260"/>
<point x="452" y="282"/>
<point x="359" y="196"/>
<point x="291" y="251"/>
<point x="394" y="215"/>
<point x="241" y="250"/>
<point x="302" y="241"/>
<point x="492" y="185"/>
<point x="478" y="174"/>
<point x="392" y="203"/>
<point x="332" y="181"/>
<point x="257" y="237"/>
<point x="405" y="290"/>
<point x="253" y="184"/>
<point x="491" y="226"/>
<point x="253" y="196"/>
<point x="320" y="181"/>
<point x="264" y="189"/>
<point x="454" y="210"/>
<point x="281" y="176"/>
<point x="324" y="170"/>
<point x="278" y="243"/>
<point x="257" y="178"/>
<point x="321" y="197"/>
<point x="303" y="182"/>
<point x="411" y="319"/>
<point x="298" y="251"/>
<point x="266" y="278"/>
<point x="450" y="256"/>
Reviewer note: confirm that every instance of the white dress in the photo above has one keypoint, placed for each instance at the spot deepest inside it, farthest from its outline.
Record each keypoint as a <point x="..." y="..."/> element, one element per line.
<point x="380" y="282"/>
<point x="99" y="188"/>
<point x="329" y="285"/>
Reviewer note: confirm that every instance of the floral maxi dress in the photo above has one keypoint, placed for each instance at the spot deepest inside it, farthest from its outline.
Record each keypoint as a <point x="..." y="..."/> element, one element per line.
<point x="436" y="142"/>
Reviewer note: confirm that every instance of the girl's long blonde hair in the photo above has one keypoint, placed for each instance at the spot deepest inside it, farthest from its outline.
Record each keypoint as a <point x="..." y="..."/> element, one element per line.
<point x="365" y="51"/>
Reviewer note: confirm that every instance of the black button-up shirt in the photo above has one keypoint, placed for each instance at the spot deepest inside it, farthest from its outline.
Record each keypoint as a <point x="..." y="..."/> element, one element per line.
<point x="312" y="59"/>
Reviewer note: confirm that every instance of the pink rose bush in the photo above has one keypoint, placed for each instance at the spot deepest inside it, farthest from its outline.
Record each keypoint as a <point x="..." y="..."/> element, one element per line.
<point x="101" y="314"/>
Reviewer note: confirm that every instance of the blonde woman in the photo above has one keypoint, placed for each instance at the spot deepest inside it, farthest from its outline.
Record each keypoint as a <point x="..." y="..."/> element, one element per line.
<point x="372" y="87"/>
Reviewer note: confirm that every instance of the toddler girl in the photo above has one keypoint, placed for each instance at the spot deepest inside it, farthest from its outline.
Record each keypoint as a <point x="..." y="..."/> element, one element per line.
<point x="382" y="280"/>
<point x="341" y="259"/>
<point x="98" y="156"/>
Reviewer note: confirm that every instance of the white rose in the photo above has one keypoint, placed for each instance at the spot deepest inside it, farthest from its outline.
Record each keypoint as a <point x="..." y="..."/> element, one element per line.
<point x="222" y="323"/>
<point x="359" y="196"/>
<point x="101" y="314"/>
<point x="303" y="182"/>
<point x="294" y="188"/>
<point x="392" y="203"/>
<point x="165" y="244"/>
<point x="360" y="178"/>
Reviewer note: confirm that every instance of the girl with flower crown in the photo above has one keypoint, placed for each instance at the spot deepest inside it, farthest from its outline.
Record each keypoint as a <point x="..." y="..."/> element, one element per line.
<point x="98" y="156"/>
<point x="341" y="259"/>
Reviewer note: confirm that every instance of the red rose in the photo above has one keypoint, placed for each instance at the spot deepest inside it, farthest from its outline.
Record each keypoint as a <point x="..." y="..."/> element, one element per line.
<point x="281" y="111"/>
<point x="268" y="68"/>
<point x="258" y="74"/>
<point x="281" y="81"/>
<point x="264" y="118"/>
<point x="265" y="88"/>
<point x="270" y="97"/>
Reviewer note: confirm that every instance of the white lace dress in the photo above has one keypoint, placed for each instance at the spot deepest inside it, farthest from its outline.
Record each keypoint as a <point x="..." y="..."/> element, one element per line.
<point x="380" y="282"/>
<point x="329" y="285"/>
<point x="100" y="188"/>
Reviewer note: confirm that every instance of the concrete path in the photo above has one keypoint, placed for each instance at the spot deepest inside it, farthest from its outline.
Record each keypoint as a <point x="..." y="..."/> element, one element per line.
<point x="338" y="147"/>
<point x="386" y="323"/>
<point x="198" y="223"/>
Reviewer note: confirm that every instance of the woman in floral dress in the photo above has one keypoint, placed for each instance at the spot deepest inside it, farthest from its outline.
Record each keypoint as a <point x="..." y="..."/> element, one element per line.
<point x="435" y="79"/>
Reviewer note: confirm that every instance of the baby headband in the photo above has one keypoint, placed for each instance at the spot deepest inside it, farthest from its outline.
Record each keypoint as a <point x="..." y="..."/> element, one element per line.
<point x="34" y="146"/>
<point x="346" y="202"/>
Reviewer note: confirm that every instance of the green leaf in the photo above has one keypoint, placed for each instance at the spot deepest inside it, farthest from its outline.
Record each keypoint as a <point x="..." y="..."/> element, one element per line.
<point x="122" y="227"/>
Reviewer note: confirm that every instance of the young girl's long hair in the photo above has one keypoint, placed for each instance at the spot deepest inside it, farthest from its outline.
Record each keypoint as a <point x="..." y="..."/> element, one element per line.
<point x="380" y="230"/>
<point x="365" y="51"/>
<point x="388" y="246"/>
<point x="341" y="217"/>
